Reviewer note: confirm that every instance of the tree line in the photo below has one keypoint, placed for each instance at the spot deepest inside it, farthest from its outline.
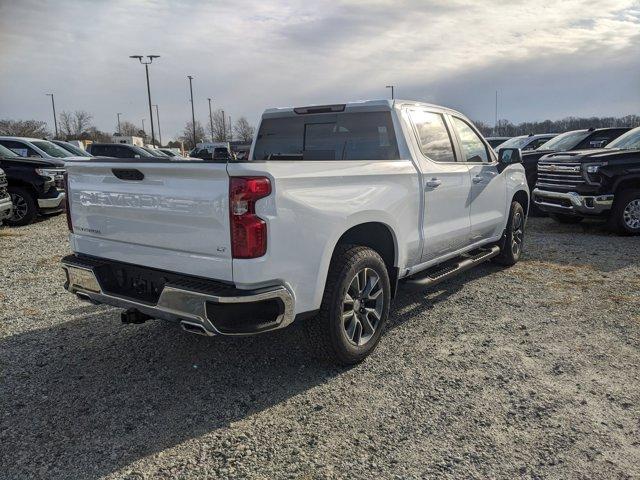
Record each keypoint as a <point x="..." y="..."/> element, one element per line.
<point x="79" y="125"/>
<point x="505" y="128"/>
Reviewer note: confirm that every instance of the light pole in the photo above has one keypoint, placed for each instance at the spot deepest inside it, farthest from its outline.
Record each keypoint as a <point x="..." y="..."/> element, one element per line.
<point x="230" y="129"/>
<point x="158" y="120"/>
<point x="53" y="105"/>
<point x="193" y="114"/>
<point x="392" y="88"/>
<point x="224" y="127"/>
<point x="146" y="68"/>
<point x="119" y="132"/>
<point x="211" y="119"/>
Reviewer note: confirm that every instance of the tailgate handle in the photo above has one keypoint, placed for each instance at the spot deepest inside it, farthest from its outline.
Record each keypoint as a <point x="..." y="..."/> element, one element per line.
<point x="128" y="174"/>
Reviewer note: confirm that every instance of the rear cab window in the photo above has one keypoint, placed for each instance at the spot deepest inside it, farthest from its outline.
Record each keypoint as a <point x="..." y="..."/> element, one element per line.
<point x="328" y="136"/>
<point x="433" y="135"/>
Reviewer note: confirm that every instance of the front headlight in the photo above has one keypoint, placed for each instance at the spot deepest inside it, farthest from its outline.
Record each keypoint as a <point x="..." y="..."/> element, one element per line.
<point x="50" y="172"/>
<point x="594" y="167"/>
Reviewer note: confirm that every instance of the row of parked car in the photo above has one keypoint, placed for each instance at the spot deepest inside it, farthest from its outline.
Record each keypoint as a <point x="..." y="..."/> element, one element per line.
<point x="32" y="181"/>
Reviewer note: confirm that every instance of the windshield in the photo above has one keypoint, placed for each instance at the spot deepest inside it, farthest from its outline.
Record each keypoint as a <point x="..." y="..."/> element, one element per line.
<point x="515" y="142"/>
<point x="73" y="149"/>
<point x="155" y="153"/>
<point x="52" y="149"/>
<point x="565" y="141"/>
<point x="169" y="153"/>
<point x="5" y="152"/>
<point x="628" y="141"/>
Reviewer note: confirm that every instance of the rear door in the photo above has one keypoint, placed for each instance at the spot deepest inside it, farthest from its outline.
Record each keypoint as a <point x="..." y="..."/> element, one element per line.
<point x="446" y="186"/>
<point x="488" y="191"/>
<point x="168" y="215"/>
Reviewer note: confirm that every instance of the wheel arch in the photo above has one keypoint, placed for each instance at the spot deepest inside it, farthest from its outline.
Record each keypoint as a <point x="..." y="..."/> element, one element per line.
<point x="626" y="182"/>
<point x="522" y="197"/>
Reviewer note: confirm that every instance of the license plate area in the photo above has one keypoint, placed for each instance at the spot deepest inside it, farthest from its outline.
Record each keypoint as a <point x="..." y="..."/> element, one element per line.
<point x="132" y="282"/>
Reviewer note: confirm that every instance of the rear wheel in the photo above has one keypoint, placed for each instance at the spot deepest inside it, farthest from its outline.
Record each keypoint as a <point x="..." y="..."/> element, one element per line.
<point x="625" y="214"/>
<point x="511" y="244"/>
<point x="355" y="306"/>
<point x="567" y="219"/>
<point x="24" y="207"/>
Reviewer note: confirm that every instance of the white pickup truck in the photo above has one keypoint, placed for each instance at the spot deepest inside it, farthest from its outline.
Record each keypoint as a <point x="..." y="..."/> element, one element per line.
<point x="334" y="206"/>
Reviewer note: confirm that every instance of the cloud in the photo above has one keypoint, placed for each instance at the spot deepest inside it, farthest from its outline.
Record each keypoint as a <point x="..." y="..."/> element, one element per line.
<point x="249" y="55"/>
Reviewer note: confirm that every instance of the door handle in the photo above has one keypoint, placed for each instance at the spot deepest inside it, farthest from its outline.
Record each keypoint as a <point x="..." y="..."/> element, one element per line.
<point x="477" y="179"/>
<point x="433" y="183"/>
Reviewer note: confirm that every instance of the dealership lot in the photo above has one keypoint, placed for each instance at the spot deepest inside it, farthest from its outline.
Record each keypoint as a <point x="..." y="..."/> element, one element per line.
<point x="531" y="371"/>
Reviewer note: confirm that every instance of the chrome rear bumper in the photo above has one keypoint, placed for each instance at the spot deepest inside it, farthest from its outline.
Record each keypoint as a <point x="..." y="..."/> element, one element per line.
<point x="177" y="303"/>
<point x="49" y="203"/>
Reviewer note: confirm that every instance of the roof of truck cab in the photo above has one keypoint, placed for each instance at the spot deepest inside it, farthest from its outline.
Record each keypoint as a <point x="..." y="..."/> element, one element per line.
<point x="359" y="105"/>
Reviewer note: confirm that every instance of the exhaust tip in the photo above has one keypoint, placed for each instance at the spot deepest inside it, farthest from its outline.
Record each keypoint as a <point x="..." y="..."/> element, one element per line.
<point x="196" y="328"/>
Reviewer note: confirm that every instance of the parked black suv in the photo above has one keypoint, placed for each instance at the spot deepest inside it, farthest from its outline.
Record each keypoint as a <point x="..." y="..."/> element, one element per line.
<point x="593" y="183"/>
<point x="36" y="186"/>
<point x="118" y="150"/>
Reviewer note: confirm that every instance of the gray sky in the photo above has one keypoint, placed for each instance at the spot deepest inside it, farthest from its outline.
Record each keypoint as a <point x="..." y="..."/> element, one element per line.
<point x="547" y="59"/>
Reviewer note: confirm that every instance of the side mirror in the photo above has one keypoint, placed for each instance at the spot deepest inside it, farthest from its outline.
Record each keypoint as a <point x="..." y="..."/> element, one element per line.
<point x="508" y="156"/>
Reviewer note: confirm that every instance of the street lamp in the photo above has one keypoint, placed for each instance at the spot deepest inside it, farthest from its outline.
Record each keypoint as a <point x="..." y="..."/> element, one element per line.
<point x="211" y="119"/>
<point x="146" y="68"/>
<point x="392" y="88"/>
<point x="193" y="114"/>
<point x="119" y="132"/>
<point x="158" y="120"/>
<point x="53" y="105"/>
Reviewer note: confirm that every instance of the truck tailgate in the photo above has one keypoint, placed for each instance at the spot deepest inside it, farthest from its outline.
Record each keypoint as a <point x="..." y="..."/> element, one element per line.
<point x="167" y="215"/>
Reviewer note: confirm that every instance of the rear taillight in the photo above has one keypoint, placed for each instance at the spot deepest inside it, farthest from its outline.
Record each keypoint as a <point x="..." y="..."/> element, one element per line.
<point x="67" y="202"/>
<point x="248" y="231"/>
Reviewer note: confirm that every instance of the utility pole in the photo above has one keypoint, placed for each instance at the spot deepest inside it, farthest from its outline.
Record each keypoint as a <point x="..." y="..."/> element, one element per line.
<point x="211" y="120"/>
<point x="193" y="114"/>
<point x="230" y="129"/>
<point x="495" y="125"/>
<point x="55" y="120"/>
<point x="146" y="68"/>
<point x="224" y="127"/>
<point x="119" y="132"/>
<point x="158" y="120"/>
<point x="392" y="91"/>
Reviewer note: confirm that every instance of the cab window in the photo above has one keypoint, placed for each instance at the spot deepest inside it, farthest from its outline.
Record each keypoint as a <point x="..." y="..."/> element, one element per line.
<point x="473" y="148"/>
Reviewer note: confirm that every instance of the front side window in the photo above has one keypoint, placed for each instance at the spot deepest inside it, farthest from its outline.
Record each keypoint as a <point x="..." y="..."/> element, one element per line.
<point x="433" y="136"/>
<point x="630" y="140"/>
<point x="473" y="148"/>
<point x="343" y="136"/>
<point x="6" y="153"/>
<point x="20" y="149"/>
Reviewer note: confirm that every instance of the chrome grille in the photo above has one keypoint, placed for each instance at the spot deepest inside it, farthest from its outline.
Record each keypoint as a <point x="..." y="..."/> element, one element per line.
<point x="559" y="175"/>
<point x="3" y="185"/>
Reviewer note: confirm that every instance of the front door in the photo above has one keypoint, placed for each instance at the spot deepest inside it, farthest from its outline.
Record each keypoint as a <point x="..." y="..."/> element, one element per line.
<point x="446" y="185"/>
<point x="487" y="196"/>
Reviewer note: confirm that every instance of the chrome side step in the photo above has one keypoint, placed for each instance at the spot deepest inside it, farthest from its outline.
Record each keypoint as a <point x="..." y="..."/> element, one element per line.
<point x="449" y="269"/>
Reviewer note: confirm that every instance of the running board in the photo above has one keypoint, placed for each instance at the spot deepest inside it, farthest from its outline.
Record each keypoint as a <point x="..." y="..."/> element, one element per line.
<point x="449" y="269"/>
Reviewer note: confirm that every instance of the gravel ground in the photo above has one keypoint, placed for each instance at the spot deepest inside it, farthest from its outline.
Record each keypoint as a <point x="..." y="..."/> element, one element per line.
<point x="527" y="372"/>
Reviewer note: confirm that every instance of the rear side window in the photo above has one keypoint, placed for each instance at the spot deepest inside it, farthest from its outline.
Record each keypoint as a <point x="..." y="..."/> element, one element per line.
<point x="473" y="147"/>
<point x="433" y="136"/>
<point x="343" y="136"/>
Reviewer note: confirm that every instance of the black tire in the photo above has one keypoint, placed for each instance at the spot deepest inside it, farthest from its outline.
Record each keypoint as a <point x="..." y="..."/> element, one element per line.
<point x="512" y="240"/>
<point x="24" y="207"/>
<point x="329" y="334"/>
<point x="625" y="214"/>
<point x="566" y="219"/>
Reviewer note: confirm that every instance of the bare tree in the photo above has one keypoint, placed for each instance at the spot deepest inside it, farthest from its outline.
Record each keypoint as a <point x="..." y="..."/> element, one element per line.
<point x="74" y="124"/>
<point x="187" y="134"/>
<point x="509" y="129"/>
<point x="219" y="127"/>
<point x="244" y="130"/>
<point x="24" y="128"/>
<point x="128" y="129"/>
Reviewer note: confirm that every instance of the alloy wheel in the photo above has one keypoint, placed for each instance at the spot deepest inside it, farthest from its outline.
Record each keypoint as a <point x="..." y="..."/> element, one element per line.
<point x="517" y="234"/>
<point x="20" y="207"/>
<point x="631" y="214"/>
<point x="362" y="307"/>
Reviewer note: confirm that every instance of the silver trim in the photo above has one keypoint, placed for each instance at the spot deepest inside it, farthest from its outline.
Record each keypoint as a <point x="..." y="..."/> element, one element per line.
<point x="177" y="304"/>
<point x="589" y="204"/>
<point x="52" y="202"/>
<point x="6" y="207"/>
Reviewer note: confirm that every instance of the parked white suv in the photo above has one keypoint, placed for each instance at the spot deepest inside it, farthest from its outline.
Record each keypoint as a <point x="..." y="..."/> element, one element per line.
<point x="335" y="205"/>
